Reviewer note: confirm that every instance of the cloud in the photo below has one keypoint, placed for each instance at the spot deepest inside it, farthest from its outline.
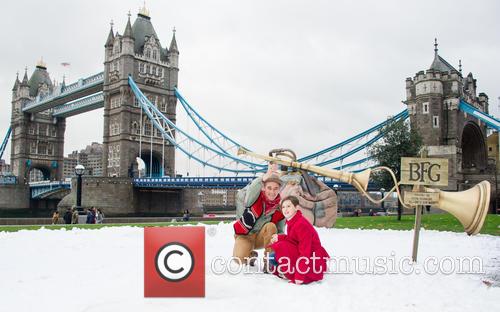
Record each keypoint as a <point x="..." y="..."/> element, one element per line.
<point x="298" y="74"/>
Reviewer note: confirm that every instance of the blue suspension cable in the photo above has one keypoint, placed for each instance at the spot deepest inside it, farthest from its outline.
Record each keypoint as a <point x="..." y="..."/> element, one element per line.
<point x="5" y="141"/>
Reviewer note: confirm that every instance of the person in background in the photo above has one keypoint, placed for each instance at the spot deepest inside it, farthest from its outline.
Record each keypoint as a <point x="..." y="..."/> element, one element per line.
<point x="74" y="216"/>
<point x="186" y="215"/>
<point x="99" y="216"/>
<point x="55" y="217"/>
<point x="371" y="213"/>
<point x="91" y="216"/>
<point x="67" y="216"/>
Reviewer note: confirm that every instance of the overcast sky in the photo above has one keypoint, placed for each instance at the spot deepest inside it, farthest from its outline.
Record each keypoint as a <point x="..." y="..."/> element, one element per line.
<point x="297" y="74"/>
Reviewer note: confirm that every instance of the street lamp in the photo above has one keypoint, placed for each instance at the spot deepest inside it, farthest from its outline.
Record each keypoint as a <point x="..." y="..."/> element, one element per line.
<point x="336" y="188"/>
<point x="382" y="190"/>
<point x="79" y="170"/>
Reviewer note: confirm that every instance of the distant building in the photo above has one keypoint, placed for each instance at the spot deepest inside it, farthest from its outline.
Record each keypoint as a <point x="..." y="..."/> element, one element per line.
<point x="493" y="148"/>
<point x="219" y="198"/>
<point x="69" y="164"/>
<point x="90" y="158"/>
<point x="5" y="168"/>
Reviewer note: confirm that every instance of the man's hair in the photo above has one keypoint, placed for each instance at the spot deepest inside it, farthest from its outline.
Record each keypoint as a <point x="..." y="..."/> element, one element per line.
<point x="294" y="200"/>
<point x="272" y="178"/>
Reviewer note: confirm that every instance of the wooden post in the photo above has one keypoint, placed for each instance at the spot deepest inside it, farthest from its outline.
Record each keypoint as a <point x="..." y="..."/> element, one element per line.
<point x="418" y="216"/>
<point x="416" y="228"/>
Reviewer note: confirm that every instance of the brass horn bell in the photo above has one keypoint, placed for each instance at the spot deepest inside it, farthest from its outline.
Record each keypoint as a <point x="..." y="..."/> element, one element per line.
<point x="470" y="207"/>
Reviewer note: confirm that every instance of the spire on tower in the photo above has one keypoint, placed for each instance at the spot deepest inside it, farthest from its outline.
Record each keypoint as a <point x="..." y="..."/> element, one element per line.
<point x="173" y="43"/>
<point x="460" y="66"/>
<point x="25" y="78"/>
<point x="16" y="83"/>
<point x="41" y="64"/>
<point x="111" y="36"/>
<point x="144" y="11"/>
<point x="128" y="28"/>
<point x="435" y="46"/>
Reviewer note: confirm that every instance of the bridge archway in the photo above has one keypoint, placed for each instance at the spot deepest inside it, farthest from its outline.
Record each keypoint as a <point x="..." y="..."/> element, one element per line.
<point x="473" y="147"/>
<point x="153" y="164"/>
<point x="38" y="173"/>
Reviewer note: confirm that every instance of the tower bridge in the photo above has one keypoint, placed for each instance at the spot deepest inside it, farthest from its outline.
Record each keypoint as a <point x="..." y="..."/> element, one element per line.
<point x="138" y="91"/>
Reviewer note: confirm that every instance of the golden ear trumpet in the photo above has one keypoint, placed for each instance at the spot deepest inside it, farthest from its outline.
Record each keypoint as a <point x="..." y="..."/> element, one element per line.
<point x="470" y="207"/>
<point x="358" y="180"/>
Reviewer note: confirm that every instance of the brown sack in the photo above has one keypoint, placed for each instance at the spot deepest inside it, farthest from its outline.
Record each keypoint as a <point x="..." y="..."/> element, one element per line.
<point x="317" y="201"/>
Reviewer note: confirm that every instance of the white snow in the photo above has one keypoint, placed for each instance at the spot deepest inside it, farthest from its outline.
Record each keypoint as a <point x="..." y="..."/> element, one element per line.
<point x="102" y="270"/>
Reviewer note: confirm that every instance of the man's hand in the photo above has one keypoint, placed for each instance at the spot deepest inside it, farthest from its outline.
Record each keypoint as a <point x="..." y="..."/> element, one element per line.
<point x="274" y="238"/>
<point x="271" y="169"/>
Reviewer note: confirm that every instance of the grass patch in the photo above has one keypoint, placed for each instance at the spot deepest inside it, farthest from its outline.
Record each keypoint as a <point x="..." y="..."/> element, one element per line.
<point x="439" y="222"/>
<point x="15" y="228"/>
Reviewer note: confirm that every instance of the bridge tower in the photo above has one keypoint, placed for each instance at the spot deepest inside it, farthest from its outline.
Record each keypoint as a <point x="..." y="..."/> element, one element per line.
<point x="433" y="98"/>
<point x="138" y="52"/>
<point x="37" y="140"/>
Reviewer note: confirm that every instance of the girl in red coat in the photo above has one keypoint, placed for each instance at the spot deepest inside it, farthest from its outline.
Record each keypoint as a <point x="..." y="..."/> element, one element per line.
<point x="297" y="255"/>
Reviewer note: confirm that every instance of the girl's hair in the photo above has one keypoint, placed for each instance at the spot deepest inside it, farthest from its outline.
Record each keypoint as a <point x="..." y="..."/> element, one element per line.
<point x="294" y="200"/>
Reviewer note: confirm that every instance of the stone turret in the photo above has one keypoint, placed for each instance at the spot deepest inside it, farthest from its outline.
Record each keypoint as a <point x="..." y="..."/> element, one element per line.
<point x="138" y="53"/>
<point x="433" y="98"/>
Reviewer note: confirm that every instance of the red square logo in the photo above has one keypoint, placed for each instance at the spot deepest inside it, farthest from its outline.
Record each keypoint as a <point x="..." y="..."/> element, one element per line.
<point x="174" y="261"/>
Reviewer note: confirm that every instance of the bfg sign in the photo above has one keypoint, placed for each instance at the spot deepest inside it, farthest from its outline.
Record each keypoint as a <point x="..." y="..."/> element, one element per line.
<point x="424" y="171"/>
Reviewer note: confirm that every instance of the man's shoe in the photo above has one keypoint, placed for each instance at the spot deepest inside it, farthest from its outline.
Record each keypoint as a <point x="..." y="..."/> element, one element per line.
<point x="253" y="258"/>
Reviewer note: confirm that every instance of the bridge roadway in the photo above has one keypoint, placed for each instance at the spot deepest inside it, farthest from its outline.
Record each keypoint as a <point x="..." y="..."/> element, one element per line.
<point x="42" y="188"/>
<point x="64" y="94"/>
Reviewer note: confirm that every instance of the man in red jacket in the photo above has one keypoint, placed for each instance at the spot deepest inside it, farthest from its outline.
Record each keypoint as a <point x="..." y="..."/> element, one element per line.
<point x="258" y="222"/>
<point x="298" y="255"/>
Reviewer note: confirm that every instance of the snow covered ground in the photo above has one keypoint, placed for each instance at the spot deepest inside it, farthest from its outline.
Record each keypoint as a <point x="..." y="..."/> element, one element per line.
<point x="102" y="270"/>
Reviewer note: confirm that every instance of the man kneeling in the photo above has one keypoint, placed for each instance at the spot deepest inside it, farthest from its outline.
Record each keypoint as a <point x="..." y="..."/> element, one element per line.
<point x="258" y="222"/>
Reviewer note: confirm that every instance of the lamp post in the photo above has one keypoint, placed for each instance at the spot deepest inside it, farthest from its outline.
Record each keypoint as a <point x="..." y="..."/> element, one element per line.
<point x="79" y="170"/>
<point x="382" y="190"/>
<point x="492" y="163"/>
<point x="336" y="188"/>
<point x="200" y="202"/>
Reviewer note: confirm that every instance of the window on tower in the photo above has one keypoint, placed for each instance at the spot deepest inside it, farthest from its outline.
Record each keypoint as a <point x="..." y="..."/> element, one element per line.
<point x="141" y="67"/>
<point x="425" y="107"/>
<point x="163" y="107"/>
<point x="42" y="148"/>
<point x="32" y="147"/>
<point x="135" y="128"/>
<point x="147" y="128"/>
<point x="42" y="129"/>
<point x="148" y="53"/>
<point x="435" y="121"/>
<point x="155" y="54"/>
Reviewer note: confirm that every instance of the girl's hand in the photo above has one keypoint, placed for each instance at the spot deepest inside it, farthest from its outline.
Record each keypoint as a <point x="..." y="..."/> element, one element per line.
<point x="274" y="238"/>
<point x="298" y="282"/>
